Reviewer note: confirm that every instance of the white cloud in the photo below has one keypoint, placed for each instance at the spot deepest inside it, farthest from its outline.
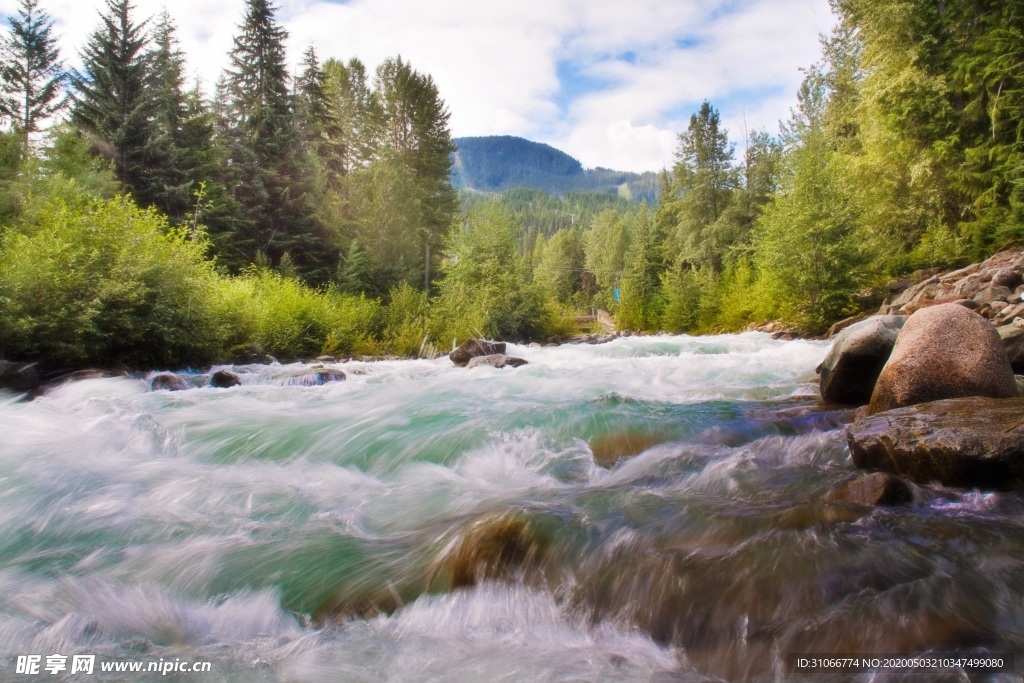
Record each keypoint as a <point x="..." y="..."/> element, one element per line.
<point x="497" y="64"/>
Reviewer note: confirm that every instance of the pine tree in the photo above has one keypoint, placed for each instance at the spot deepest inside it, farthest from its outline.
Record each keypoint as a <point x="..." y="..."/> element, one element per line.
<point x="703" y="184"/>
<point x="31" y="89"/>
<point x="263" y="144"/>
<point x="114" y="105"/>
<point x="174" y="178"/>
<point x="412" y="121"/>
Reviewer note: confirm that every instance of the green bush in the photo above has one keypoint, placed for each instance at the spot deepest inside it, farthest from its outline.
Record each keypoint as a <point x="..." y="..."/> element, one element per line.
<point x="105" y="283"/>
<point x="283" y="317"/>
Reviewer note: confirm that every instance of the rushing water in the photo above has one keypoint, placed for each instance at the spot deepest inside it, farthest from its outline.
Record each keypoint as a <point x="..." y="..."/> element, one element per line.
<point x="646" y="509"/>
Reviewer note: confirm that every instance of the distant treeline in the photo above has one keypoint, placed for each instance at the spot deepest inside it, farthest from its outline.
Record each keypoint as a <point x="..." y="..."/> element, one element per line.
<point x="143" y="222"/>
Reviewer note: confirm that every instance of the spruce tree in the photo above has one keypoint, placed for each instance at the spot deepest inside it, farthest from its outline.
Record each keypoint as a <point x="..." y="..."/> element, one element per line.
<point x="174" y="177"/>
<point x="264" y="146"/>
<point x="114" y="105"/>
<point x="703" y="183"/>
<point x="31" y="88"/>
<point x="412" y="121"/>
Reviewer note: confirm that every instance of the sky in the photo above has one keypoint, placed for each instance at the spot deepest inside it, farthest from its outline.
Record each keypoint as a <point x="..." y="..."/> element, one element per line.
<point x="610" y="82"/>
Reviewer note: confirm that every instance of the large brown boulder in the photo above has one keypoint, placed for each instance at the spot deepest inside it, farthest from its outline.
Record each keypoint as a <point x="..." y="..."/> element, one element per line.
<point x="471" y="348"/>
<point x="848" y="373"/>
<point x="944" y="351"/>
<point x="972" y="442"/>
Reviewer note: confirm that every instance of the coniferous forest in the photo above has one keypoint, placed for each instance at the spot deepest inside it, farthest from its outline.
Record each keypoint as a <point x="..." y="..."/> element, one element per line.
<point x="145" y="221"/>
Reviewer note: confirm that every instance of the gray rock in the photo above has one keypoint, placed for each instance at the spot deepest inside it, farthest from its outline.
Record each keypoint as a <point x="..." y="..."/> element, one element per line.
<point x="973" y="442"/>
<point x="943" y="351"/>
<point x="471" y="348"/>
<point x="224" y="379"/>
<point x="1007" y="277"/>
<point x="990" y="294"/>
<point x="848" y="373"/>
<point x="496" y="360"/>
<point x="168" y="381"/>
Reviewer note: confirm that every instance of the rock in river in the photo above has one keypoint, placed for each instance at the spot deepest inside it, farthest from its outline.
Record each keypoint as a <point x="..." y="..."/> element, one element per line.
<point x="944" y="351"/>
<point x="973" y="442"/>
<point x="496" y="360"/>
<point x="876" y="488"/>
<point x="471" y="348"/>
<point x="849" y="372"/>
<point x="168" y="381"/>
<point x="224" y="379"/>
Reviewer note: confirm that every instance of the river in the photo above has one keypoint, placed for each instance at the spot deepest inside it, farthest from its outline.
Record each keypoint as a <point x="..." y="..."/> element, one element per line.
<point x="643" y="510"/>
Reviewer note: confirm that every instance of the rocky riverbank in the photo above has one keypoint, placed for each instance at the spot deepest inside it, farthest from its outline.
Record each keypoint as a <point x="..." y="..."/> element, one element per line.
<point x="933" y="376"/>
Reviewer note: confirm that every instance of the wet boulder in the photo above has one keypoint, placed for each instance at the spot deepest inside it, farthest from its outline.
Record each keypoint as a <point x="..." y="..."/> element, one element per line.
<point x="471" y="348"/>
<point x="495" y="360"/>
<point x="491" y="548"/>
<point x="972" y="442"/>
<point x="224" y="379"/>
<point x="848" y="373"/>
<point x="877" y="488"/>
<point x="944" y="351"/>
<point x="168" y="381"/>
<point x="18" y="376"/>
<point x="608" y="449"/>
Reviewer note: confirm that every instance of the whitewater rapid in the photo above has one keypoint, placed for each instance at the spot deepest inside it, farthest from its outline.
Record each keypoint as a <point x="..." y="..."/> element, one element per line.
<point x="294" y="533"/>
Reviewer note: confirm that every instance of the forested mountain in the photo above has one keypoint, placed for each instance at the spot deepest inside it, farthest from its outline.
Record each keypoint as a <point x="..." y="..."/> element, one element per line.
<point x="503" y="162"/>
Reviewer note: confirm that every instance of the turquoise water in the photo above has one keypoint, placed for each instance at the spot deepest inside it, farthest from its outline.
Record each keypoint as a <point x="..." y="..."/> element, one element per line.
<point x="656" y="503"/>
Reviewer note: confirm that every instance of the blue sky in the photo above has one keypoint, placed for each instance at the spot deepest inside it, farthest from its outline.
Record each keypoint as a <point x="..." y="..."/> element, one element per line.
<point x="611" y="83"/>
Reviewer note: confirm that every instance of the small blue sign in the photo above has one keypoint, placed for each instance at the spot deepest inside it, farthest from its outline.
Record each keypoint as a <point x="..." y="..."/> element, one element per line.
<point x="616" y="295"/>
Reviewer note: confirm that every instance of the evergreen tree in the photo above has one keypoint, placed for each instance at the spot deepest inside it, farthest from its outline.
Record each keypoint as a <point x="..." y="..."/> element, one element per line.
<point x="313" y="126"/>
<point x="809" y="252"/>
<point x="703" y="183"/>
<point x="175" y="172"/>
<point x="114" y="105"/>
<point x="262" y="145"/>
<point x="640" y="305"/>
<point x="412" y="121"/>
<point x="560" y="267"/>
<point x="31" y="72"/>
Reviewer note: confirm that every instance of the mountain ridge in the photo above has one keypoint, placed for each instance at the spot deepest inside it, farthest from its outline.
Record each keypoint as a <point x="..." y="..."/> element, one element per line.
<point x="497" y="163"/>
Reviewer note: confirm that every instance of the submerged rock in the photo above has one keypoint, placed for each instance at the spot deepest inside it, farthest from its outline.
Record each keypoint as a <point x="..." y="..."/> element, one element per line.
<point x="973" y="442"/>
<point x="944" y="351"/>
<point x="471" y="348"/>
<point x="875" y="489"/>
<point x="495" y="360"/>
<point x="18" y="376"/>
<point x="168" y="381"/>
<point x="610" y="448"/>
<point x="492" y="548"/>
<point x="849" y="372"/>
<point x="224" y="379"/>
<point x="314" y="378"/>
